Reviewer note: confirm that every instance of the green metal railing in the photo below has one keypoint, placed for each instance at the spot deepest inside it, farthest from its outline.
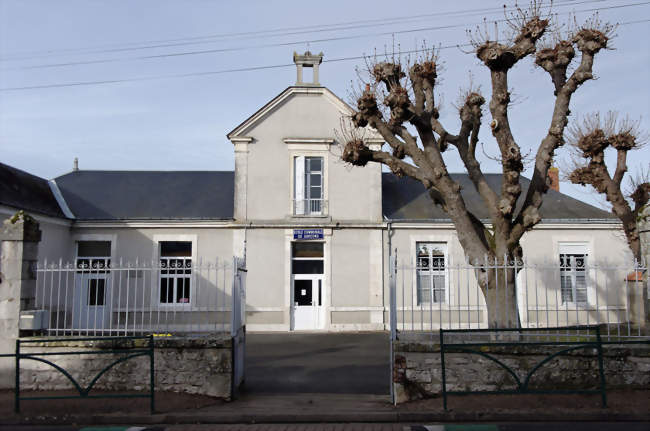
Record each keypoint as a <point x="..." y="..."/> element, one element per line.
<point x="121" y="348"/>
<point x="522" y="387"/>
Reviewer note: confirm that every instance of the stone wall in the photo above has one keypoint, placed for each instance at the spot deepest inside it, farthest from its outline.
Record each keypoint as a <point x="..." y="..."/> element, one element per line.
<point x="417" y="371"/>
<point x="191" y="365"/>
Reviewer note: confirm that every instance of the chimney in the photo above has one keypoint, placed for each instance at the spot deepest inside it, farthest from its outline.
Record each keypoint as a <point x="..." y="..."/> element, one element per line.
<point x="75" y="165"/>
<point x="554" y="178"/>
<point x="307" y="60"/>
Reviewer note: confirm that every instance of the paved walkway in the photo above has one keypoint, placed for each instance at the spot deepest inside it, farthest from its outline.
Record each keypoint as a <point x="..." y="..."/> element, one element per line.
<point x="329" y="408"/>
<point x="343" y="363"/>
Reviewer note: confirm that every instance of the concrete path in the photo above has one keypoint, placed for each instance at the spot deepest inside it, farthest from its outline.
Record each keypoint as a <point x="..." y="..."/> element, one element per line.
<point x="346" y="363"/>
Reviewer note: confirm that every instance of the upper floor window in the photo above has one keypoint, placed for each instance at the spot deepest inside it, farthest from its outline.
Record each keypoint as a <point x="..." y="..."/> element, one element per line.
<point x="573" y="273"/>
<point x="308" y="186"/>
<point x="175" y="272"/>
<point x="431" y="274"/>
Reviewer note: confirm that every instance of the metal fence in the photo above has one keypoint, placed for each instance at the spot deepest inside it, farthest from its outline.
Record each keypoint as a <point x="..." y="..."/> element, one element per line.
<point x="139" y="346"/>
<point x="438" y="294"/>
<point x="174" y="295"/>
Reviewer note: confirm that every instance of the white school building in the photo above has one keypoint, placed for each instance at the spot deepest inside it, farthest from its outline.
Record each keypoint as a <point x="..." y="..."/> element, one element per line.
<point x="317" y="235"/>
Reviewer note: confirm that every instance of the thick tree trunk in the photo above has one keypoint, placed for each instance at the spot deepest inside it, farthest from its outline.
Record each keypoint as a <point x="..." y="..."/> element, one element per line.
<point x="500" y="293"/>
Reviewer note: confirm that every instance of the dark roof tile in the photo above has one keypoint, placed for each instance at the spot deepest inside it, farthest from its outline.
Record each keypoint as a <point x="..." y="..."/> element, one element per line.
<point x="158" y="195"/>
<point x="19" y="189"/>
<point x="406" y="199"/>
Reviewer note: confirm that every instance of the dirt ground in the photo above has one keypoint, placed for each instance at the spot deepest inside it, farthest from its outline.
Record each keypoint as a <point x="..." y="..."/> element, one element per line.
<point x="165" y="402"/>
<point x="635" y="402"/>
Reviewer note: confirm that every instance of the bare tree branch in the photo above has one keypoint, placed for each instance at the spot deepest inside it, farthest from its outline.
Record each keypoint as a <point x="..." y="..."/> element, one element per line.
<point x="590" y="139"/>
<point x="400" y="97"/>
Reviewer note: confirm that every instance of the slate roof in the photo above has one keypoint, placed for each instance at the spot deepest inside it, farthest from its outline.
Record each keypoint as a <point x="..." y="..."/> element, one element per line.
<point x="209" y="195"/>
<point x="159" y="195"/>
<point x="406" y="199"/>
<point x="21" y="190"/>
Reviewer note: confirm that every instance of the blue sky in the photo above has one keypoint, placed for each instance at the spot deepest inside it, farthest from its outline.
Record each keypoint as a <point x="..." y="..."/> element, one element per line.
<point x="181" y="123"/>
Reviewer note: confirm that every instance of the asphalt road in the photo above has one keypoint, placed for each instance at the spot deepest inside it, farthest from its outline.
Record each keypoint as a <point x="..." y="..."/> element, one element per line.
<point x="346" y="363"/>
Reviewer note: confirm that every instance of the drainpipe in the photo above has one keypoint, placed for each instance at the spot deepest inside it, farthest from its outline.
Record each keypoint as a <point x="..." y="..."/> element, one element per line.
<point x="246" y="226"/>
<point x="389" y="224"/>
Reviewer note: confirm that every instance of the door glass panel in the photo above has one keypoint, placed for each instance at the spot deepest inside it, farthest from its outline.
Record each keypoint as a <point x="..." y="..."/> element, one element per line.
<point x="93" y="248"/>
<point x="175" y="248"/>
<point x="307" y="267"/>
<point x="302" y="292"/>
<point x="307" y="249"/>
<point x="96" y="291"/>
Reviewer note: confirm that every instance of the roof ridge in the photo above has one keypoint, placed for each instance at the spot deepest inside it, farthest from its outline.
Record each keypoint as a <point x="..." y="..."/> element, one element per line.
<point x="22" y="171"/>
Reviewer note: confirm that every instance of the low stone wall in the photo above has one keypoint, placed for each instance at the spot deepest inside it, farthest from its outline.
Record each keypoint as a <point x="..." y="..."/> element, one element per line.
<point x="417" y="370"/>
<point x="191" y="365"/>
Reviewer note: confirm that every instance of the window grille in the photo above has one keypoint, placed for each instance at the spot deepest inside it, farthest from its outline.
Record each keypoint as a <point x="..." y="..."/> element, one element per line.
<point x="175" y="272"/>
<point x="573" y="278"/>
<point x="431" y="278"/>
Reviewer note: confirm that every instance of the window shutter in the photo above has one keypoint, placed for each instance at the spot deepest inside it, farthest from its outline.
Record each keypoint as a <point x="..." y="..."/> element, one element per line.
<point x="299" y="184"/>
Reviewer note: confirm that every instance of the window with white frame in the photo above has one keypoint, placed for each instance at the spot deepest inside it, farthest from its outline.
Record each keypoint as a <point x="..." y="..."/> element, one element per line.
<point x="573" y="273"/>
<point x="308" y="186"/>
<point x="94" y="258"/>
<point x="430" y="272"/>
<point x="175" y="272"/>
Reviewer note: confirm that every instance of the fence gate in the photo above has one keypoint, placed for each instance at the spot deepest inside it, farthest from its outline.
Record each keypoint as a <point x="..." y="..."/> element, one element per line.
<point x="238" y="327"/>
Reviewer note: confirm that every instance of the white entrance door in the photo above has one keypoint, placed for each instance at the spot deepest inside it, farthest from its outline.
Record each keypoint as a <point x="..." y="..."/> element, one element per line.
<point x="91" y="302"/>
<point x="307" y="302"/>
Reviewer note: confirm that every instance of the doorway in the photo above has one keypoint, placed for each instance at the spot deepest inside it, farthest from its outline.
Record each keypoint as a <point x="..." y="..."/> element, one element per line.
<point x="307" y="286"/>
<point x="92" y="298"/>
<point x="308" y="302"/>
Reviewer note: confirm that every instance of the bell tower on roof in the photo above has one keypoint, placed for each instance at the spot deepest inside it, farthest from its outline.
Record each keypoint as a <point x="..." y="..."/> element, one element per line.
<point x="307" y="60"/>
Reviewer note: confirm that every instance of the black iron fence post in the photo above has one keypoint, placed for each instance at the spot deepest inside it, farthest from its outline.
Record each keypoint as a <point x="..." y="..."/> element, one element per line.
<point x="151" y="372"/>
<point x="444" y="377"/>
<point x="17" y="386"/>
<point x="601" y="368"/>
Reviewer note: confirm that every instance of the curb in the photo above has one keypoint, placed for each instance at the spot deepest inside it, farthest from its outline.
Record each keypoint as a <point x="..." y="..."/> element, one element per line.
<point x="344" y="417"/>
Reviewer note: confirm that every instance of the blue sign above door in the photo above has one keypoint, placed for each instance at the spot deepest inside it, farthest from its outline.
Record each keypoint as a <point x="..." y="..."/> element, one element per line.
<point x="308" y="234"/>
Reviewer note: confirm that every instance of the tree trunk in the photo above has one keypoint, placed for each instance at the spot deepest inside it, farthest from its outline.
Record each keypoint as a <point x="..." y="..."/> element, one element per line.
<point x="500" y="293"/>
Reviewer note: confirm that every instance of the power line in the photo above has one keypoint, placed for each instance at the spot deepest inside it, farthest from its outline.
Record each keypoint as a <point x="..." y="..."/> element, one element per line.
<point x="285" y="32"/>
<point x="224" y="71"/>
<point x="270" y="45"/>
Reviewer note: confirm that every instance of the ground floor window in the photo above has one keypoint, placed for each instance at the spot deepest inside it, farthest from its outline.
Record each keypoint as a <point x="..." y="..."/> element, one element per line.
<point x="430" y="272"/>
<point x="175" y="272"/>
<point x="573" y="273"/>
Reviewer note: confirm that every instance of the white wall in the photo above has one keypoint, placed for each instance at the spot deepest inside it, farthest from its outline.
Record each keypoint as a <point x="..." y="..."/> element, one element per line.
<point x="354" y="194"/>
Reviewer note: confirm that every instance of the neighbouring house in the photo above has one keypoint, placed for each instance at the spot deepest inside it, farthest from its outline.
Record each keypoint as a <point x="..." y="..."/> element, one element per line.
<point x="316" y="233"/>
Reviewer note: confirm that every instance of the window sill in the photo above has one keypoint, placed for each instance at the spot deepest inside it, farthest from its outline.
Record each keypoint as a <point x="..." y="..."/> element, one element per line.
<point x="320" y="218"/>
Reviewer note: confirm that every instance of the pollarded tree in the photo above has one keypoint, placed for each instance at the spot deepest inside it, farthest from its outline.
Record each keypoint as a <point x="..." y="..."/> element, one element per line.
<point x="590" y="139"/>
<point x="398" y="101"/>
